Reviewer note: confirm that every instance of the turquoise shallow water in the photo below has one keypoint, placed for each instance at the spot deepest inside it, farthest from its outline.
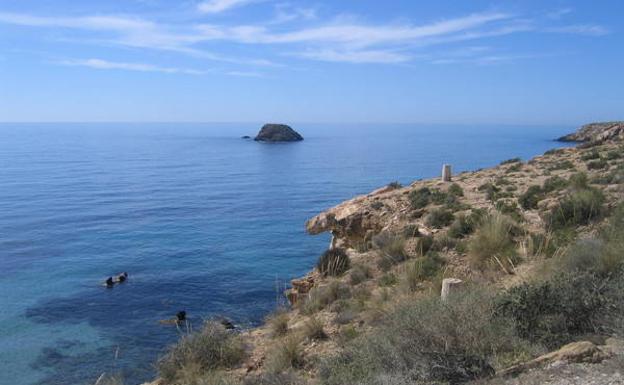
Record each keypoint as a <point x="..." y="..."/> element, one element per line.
<point x="201" y="219"/>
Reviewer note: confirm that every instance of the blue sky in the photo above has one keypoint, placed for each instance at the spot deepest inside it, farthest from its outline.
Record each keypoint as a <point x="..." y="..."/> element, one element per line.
<point x="522" y="62"/>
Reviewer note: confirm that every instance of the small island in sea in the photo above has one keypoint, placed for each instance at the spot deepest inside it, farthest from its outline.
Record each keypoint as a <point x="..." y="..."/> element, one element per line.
<point x="277" y="133"/>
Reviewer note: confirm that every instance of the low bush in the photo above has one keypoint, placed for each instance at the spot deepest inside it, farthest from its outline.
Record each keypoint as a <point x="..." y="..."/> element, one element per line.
<point x="590" y="155"/>
<point x="510" y="161"/>
<point x="554" y="151"/>
<point x="461" y="227"/>
<point x="531" y="197"/>
<point x="286" y="355"/>
<point x="359" y="274"/>
<point x="439" y="218"/>
<point x="333" y="262"/>
<point x="395" y="185"/>
<point x="420" y="198"/>
<point x="424" y="244"/>
<point x="211" y="348"/>
<point x="313" y="329"/>
<point x="579" y="208"/>
<point x="493" y="241"/>
<point x="422" y="269"/>
<point x="578" y="181"/>
<point x="391" y="249"/>
<point x="456" y="190"/>
<point x="554" y="183"/>
<point x="278" y="322"/>
<point x="426" y="341"/>
<point x="491" y="191"/>
<point x="510" y="208"/>
<point x="410" y="231"/>
<point x="322" y="296"/>
<point x="562" y="165"/>
<point x="597" y="164"/>
<point x="388" y="279"/>
<point x="553" y="312"/>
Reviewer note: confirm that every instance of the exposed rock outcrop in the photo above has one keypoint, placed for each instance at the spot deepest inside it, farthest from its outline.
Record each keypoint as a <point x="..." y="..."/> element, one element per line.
<point x="596" y="133"/>
<point x="277" y="133"/>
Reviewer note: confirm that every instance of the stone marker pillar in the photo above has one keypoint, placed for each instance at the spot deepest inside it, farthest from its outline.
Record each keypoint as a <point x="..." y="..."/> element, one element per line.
<point x="449" y="286"/>
<point x="446" y="173"/>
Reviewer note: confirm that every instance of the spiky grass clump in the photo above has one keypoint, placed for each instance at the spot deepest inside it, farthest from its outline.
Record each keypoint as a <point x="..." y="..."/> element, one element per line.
<point x="333" y="262"/>
<point x="493" y="242"/>
<point x="209" y="349"/>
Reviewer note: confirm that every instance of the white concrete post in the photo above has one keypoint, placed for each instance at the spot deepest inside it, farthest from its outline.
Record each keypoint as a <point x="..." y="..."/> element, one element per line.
<point x="446" y="173"/>
<point x="449" y="286"/>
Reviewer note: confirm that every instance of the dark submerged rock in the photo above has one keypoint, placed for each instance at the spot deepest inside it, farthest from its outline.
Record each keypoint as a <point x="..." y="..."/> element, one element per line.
<point x="277" y="133"/>
<point x="245" y="137"/>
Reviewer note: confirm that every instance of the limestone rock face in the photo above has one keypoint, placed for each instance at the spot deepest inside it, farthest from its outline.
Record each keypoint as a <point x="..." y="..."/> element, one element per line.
<point x="277" y="133"/>
<point x="596" y="133"/>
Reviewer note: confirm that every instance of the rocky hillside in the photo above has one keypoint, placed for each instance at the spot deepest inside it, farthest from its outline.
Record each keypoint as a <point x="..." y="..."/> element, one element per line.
<point x="535" y="250"/>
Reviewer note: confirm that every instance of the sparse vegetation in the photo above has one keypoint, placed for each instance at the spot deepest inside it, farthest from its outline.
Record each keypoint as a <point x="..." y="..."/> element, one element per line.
<point x="209" y="349"/>
<point x="597" y="164"/>
<point x="313" y="329"/>
<point x="531" y="197"/>
<point x="420" y="198"/>
<point x="439" y="218"/>
<point x="578" y="208"/>
<point x="286" y="355"/>
<point x="278" y="322"/>
<point x="359" y="273"/>
<point x="510" y="161"/>
<point x="456" y="190"/>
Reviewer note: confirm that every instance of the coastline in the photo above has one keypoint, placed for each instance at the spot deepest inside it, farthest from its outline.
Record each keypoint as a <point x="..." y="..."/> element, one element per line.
<point x="354" y="223"/>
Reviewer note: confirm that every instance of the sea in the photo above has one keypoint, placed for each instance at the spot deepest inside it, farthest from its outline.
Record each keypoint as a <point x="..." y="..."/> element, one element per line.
<point x="201" y="219"/>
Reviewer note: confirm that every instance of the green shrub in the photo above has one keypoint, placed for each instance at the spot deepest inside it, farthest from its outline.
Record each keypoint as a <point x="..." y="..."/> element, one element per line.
<point x="554" y="183"/>
<point x="597" y="164"/>
<point x="359" y="274"/>
<point x="286" y="378"/>
<point x="395" y="185"/>
<point x="578" y="181"/>
<point x="491" y="191"/>
<point x="531" y="197"/>
<point x="514" y="167"/>
<point x="579" y="208"/>
<point x="456" y="190"/>
<point x="563" y="165"/>
<point x="554" y="151"/>
<point x="410" y="231"/>
<point x="322" y="296"/>
<point x="554" y="311"/>
<point x="286" y="355"/>
<point x="209" y="349"/>
<point x="278" y="322"/>
<point x="590" y="155"/>
<point x="333" y="262"/>
<point x="426" y="341"/>
<point x="422" y="269"/>
<point x="509" y="208"/>
<point x="510" y="161"/>
<point x="420" y="198"/>
<point x="439" y="218"/>
<point x="391" y="249"/>
<point x="439" y="197"/>
<point x="424" y="244"/>
<point x="388" y="279"/>
<point x="613" y="154"/>
<point x="461" y="227"/>
<point x="313" y="329"/>
<point x="493" y="241"/>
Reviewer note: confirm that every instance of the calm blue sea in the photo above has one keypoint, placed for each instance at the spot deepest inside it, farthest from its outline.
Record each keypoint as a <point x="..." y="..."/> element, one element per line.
<point x="201" y="219"/>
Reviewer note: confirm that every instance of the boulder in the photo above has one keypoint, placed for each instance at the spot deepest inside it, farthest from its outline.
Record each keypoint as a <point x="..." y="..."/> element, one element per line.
<point x="277" y="133"/>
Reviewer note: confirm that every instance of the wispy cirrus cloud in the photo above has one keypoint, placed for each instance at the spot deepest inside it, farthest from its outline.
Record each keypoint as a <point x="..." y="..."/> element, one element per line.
<point x="218" y="6"/>
<point x="140" y="67"/>
<point x="341" y="39"/>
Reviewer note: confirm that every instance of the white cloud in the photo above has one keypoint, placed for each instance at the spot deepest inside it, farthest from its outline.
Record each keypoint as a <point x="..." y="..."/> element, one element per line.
<point x="141" y="67"/>
<point x="580" y="29"/>
<point x="218" y="6"/>
<point x="360" y="56"/>
<point x="337" y="40"/>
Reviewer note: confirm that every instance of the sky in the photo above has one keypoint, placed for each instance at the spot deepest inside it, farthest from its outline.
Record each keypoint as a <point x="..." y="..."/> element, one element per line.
<point x="342" y="61"/>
